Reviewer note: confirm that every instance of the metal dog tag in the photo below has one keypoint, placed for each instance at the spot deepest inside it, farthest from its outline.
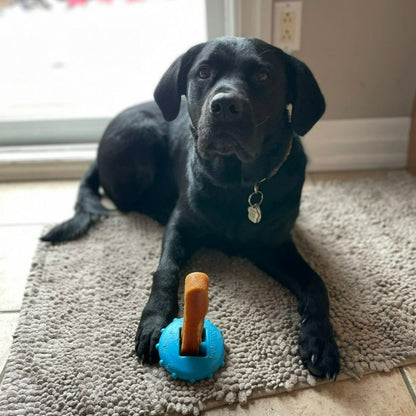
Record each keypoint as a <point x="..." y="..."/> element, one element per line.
<point x="254" y="201"/>
<point x="254" y="213"/>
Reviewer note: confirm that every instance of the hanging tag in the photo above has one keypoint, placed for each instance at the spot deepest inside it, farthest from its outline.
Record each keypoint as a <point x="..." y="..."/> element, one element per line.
<point x="254" y="213"/>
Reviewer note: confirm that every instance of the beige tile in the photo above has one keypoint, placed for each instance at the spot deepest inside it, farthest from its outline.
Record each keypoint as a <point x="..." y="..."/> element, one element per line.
<point x="37" y="202"/>
<point x="409" y="371"/>
<point x="377" y="394"/>
<point x="8" y="323"/>
<point x="17" y="246"/>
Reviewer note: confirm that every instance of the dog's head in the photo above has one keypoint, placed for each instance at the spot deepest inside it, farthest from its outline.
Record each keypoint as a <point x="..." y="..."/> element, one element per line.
<point x="237" y="91"/>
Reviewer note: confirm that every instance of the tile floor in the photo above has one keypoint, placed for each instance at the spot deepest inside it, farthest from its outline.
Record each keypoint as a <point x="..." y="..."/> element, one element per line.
<point x="24" y="209"/>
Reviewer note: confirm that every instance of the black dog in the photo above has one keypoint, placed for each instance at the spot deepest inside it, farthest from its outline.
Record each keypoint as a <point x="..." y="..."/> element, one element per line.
<point x="223" y="169"/>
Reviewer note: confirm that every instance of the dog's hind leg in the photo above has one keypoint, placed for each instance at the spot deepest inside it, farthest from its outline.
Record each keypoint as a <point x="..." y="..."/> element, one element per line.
<point x="88" y="210"/>
<point x="135" y="166"/>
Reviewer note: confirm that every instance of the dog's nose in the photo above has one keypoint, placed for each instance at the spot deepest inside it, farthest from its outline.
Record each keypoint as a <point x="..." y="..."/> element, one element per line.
<point x="226" y="106"/>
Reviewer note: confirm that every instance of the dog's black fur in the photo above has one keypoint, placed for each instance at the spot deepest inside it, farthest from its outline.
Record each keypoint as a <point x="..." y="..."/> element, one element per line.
<point x="192" y="164"/>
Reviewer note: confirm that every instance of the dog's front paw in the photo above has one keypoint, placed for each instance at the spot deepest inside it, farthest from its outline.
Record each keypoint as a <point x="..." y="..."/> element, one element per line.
<point x="147" y="336"/>
<point x="318" y="349"/>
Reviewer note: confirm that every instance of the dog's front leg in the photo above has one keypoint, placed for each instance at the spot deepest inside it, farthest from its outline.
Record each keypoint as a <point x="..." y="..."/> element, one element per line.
<point x="162" y="305"/>
<point x="317" y="346"/>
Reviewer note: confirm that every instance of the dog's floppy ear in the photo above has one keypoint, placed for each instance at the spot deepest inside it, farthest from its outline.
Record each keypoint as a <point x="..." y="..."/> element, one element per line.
<point x="172" y="85"/>
<point x="305" y="96"/>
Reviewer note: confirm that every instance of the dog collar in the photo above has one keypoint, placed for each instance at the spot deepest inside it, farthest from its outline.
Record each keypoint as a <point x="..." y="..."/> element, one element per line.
<point x="255" y="199"/>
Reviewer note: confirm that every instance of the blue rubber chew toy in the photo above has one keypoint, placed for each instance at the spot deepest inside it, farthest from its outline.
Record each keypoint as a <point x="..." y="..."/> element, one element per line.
<point x="192" y="348"/>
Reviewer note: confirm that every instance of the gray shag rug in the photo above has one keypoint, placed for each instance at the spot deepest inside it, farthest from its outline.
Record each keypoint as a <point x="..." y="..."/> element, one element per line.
<point x="73" y="350"/>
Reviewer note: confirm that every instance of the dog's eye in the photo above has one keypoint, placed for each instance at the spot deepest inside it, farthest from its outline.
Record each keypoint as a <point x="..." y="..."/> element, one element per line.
<point x="204" y="72"/>
<point x="261" y="76"/>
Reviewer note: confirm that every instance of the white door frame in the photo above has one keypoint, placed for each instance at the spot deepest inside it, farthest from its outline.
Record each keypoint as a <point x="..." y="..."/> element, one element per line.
<point x="248" y="18"/>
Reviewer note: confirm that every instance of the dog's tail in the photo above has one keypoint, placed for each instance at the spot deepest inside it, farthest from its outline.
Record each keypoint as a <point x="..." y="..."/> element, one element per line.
<point x="88" y="210"/>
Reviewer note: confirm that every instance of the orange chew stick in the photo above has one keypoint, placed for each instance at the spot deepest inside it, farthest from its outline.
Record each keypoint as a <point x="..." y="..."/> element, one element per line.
<point x="196" y="307"/>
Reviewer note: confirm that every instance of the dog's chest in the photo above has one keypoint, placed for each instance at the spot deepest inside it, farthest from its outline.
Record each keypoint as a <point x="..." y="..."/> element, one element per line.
<point x="233" y="217"/>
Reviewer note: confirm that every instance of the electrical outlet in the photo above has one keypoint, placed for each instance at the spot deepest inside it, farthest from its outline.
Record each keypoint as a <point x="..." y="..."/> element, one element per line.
<point x="287" y="18"/>
<point x="287" y="25"/>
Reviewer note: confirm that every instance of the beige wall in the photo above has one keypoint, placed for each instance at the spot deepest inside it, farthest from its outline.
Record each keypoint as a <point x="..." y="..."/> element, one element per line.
<point x="363" y="53"/>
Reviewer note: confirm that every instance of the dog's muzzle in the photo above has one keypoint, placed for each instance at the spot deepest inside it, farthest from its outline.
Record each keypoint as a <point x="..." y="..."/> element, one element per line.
<point x="227" y="127"/>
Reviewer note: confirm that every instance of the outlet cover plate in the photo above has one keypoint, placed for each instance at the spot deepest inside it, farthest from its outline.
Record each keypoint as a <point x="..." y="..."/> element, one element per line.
<point x="287" y="25"/>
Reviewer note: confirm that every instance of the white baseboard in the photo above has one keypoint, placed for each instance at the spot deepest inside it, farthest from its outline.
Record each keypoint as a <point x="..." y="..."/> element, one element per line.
<point x="333" y="145"/>
<point x="22" y="163"/>
<point x="358" y="144"/>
